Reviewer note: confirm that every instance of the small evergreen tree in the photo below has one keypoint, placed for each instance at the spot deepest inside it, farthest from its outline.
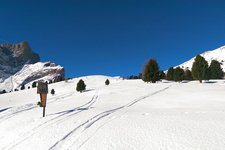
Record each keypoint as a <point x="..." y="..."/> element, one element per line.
<point x="199" y="68"/>
<point x="216" y="72"/>
<point x="131" y="77"/>
<point x="188" y="75"/>
<point x="151" y="71"/>
<point x="52" y="91"/>
<point x="3" y="92"/>
<point x="170" y="73"/>
<point x="178" y="74"/>
<point x="162" y="75"/>
<point x="140" y="76"/>
<point x="107" y="82"/>
<point x="81" y="86"/>
<point x="50" y="81"/>
<point x="22" y="87"/>
<point x="34" y="84"/>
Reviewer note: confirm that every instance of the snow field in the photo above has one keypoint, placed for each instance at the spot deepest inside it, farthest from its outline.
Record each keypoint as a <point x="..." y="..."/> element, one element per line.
<point x="127" y="114"/>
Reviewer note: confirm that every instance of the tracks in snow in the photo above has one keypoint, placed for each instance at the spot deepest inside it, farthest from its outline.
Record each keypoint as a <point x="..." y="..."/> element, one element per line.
<point x="62" y="117"/>
<point x="15" y="111"/>
<point x="68" y="141"/>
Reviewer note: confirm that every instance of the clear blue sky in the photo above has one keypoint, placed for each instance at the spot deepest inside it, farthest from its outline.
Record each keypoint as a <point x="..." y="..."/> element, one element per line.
<point x="114" y="37"/>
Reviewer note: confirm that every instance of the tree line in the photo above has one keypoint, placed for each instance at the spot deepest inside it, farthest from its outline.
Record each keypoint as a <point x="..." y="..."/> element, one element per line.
<point x="200" y="71"/>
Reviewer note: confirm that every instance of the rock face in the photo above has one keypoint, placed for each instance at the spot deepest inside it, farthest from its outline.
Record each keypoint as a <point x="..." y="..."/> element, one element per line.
<point x="20" y="65"/>
<point x="16" y="55"/>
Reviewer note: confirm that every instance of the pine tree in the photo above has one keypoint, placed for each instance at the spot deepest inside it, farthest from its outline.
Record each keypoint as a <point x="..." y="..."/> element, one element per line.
<point x="170" y="73"/>
<point x="81" y="86"/>
<point x="216" y="72"/>
<point x="187" y="75"/>
<point x="50" y="81"/>
<point x="107" y="82"/>
<point x="34" y="84"/>
<point x="162" y="75"/>
<point x="199" y="68"/>
<point x="52" y="91"/>
<point x="3" y="92"/>
<point x="207" y="74"/>
<point x="22" y="87"/>
<point x="151" y="71"/>
<point x="178" y="74"/>
<point x="140" y="76"/>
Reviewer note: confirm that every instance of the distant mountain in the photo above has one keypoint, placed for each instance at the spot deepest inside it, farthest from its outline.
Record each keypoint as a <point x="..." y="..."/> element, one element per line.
<point x="217" y="54"/>
<point x="20" y="65"/>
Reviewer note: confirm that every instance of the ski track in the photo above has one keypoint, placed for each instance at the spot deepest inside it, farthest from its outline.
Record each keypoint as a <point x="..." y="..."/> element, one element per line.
<point x="88" y="123"/>
<point x="15" y="111"/>
<point x="47" y="123"/>
<point x="88" y="138"/>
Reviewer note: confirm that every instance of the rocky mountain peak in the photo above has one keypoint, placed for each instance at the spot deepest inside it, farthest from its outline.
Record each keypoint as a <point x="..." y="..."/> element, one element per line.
<point x="16" y="55"/>
<point x="19" y="65"/>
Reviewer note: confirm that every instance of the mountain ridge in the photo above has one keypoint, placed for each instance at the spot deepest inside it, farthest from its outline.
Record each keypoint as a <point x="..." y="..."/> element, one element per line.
<point x="216" y="54"/>
<point x="19" y="65"/>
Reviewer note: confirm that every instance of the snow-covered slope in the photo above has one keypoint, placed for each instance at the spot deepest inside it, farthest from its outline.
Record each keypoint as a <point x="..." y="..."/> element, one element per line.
<point x="20" y="65"/>
<point x="217" y="54"/>
<point x="31" y="72"/>
<point x="127" y="114"/>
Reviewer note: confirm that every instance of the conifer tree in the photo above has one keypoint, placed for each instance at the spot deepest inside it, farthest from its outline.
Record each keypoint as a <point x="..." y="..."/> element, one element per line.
<point x="216" y="72"/>
<point x="107" y="82"/>
<point x="22" y="87"/>
<point x="50" y="81"/>
<point x="199" y="68"/>
<point x="207" y="74"/>
<point x="3" y="92"/>
<point x="162" y="75"/>
<point x="140" y="76"/>
<point x="151" y="71"/>
<point x="178" y="74"/>
<point x="34" y="84"/>
<point x="81" y="86"/>
<point x="52" y="91"/>
<point x="187" y="75"/>
<point x="170" y="73"/>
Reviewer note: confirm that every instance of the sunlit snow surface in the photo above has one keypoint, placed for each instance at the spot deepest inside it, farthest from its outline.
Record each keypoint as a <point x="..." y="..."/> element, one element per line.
<point x="217" y="54"/>
<point x="126" y="115"/>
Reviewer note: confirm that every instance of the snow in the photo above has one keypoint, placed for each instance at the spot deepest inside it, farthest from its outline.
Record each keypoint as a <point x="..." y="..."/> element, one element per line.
<point x="217" y="54"/>
<point x="37" y="71"/>
<point x="127" y="114"/>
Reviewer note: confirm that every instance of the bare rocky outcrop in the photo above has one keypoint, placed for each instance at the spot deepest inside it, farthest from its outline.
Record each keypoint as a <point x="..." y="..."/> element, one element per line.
<point x="16" y="55"/>
<point x="19" y="65"/>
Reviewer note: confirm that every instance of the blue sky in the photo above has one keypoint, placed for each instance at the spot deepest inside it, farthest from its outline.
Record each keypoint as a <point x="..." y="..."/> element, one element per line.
<point x="114" y="37"/>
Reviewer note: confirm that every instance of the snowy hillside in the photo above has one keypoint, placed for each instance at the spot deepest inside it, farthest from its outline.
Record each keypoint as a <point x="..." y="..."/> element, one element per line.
<point x="217" y="54"/>
<point x="19" y="65"/>
<point x="30" y="73"/>
<point x="127" y="114"/>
